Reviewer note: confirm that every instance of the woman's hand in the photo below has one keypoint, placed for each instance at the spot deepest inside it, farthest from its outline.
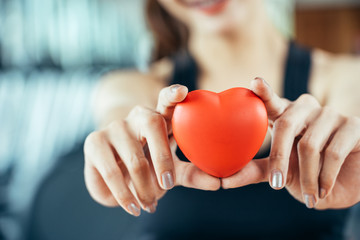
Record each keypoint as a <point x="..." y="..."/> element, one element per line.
<point x="132" y="162"/>
<point x="315" y="152"/>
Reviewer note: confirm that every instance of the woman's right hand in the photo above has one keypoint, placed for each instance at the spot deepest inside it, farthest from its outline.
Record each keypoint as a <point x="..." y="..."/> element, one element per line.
<point x="132" y="162"/>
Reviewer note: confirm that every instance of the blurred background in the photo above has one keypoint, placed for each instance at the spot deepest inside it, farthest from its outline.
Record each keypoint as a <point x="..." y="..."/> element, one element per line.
<point x="52" y="54"/>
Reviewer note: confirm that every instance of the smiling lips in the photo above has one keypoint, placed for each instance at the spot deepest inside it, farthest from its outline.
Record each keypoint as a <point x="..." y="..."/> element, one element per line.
<point x="208" y="6"/>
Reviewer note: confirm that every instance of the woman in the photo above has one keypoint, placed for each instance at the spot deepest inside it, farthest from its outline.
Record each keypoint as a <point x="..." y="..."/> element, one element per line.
<point x="215" y="45"/>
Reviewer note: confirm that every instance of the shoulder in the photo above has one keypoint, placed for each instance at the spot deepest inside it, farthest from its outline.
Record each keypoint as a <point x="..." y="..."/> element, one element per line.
<point x="157" y="74"/>
<point x="138" y="84"/>
<point x="125" y="89"/>
<point x="334" y="76"/>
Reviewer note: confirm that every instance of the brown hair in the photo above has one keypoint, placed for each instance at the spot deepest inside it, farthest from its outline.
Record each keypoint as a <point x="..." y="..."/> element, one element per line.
<point x="169" y="34"/>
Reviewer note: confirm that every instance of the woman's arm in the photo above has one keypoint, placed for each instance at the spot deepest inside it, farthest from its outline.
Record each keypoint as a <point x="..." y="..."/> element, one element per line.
<point x="335" y="82"/>
<point x="315" y="152"/>
<point x="131" y="161"/>
<point x="120" y="91"/>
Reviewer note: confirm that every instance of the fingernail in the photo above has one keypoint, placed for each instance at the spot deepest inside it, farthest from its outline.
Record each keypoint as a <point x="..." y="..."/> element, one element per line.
<point x="263" y="80"/>
<point x="134" y="209"/>
<point x="309" y="200"/>
<point x="322" y="193"/>
<point x="167" y="180"/>
<point x="151" y="209"/>
<point x="276" y="179"/>
<point x="174" y="88"/>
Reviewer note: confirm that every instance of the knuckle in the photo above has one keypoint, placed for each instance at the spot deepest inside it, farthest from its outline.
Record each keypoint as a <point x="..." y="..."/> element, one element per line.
<point x="163" y="93"/>
<point x="117" y="125"/>
<point x="147" y="198"/>
<point x="277" y="156"/>
<point x="123" y="197"/>
<point x="164" y="158"/>
<point x="353" y="121"/>
<point x="308" y="184"/>
<point x="332" y="154"/>
<point x="307" y="144"/>
<point x="96" y="137"/>
<point x="154" y="119"/>
<point x="138" y="164"/>
<point x="137" y="110"/>
<point x="327" y="111"/>
<point x="110" y="174"/>
<point x="283" y="123"/>
<point x="93" y="141"/>
<point x="308" y="100"/>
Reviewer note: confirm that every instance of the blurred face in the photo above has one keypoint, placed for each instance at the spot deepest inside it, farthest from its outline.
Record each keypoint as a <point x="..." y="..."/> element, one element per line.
<point x="210" y="16"/>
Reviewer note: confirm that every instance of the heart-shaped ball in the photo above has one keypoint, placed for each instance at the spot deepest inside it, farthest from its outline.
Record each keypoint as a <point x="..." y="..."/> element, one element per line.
<point x="220" y="132"/>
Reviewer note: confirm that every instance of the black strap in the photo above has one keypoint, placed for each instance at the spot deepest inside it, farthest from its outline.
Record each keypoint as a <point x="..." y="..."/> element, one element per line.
<point x="185" y="70"/>
<point x="296" y="76"/>
<point x="297" y="71"/>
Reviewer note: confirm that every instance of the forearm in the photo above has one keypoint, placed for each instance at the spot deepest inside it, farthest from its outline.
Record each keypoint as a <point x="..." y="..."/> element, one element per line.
<point x="343" y="87"/>
<point x="119" y="92"/>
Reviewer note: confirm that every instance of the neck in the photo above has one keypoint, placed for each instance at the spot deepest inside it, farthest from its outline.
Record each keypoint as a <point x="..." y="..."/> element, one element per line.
<point x="255" y="48"/>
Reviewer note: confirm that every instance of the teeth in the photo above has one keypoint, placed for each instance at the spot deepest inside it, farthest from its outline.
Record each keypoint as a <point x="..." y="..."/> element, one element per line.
<point x="209" y="3"/>
<point x="203" y="4"/>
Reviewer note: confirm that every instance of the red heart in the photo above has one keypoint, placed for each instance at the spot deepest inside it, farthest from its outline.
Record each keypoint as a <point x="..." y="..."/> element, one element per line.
<point x="220" y="132"/>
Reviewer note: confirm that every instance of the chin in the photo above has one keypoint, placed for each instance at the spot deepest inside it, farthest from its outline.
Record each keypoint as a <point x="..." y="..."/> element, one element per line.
<point x="209" y="16"/>
<point x="233" y="15"/>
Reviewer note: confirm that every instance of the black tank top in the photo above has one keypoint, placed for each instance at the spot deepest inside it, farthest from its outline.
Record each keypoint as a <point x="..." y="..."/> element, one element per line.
<point x="251" y="212"/>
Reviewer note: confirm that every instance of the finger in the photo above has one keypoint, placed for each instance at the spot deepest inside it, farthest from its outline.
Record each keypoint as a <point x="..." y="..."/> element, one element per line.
<point x="274" y="105"/>
<point x="160" y="152"/>
<point x="100" y="154"/>
<point x="131" y="153"/>
<point x="152" y="126"/>
<point x="159" y="190"/>
<point x="168" y="98"/>
<point x="96" y="186"/>
<point x="192" y="177"/>
<point x="309" y="148"/>
<point x="255" y="171"/>
<point x="342" y="144"/>
<point x="286" y="129"/>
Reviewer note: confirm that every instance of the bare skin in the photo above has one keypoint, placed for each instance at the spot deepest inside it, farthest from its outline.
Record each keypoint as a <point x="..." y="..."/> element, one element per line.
<point x="315" y="139"/>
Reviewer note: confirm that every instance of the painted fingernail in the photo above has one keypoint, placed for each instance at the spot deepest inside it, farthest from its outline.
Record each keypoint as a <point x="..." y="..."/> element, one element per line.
<point x="309" y="200"/>
<point x="134" y="209"/>
<point x="151" y="209"/>
<point x="263" y="80"/>
<point x="167" y="180"/>
<point x="174" y="88"/>
<point x="322" y="193"/>
<point x="276" y="179"/>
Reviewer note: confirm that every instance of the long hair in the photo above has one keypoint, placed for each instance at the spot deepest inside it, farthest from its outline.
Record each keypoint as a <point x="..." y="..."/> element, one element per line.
<point x="169" y="34"/>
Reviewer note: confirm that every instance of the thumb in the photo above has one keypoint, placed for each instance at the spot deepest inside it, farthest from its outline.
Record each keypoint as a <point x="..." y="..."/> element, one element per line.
<point x="168" y="98"/>
<point x="190" y="176"/>
<point x="255" y="171"/>
<point x="274" y="105"/>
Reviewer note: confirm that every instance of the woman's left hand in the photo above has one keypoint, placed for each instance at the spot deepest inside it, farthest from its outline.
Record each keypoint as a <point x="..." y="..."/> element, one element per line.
<point x="315" y="152"/>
